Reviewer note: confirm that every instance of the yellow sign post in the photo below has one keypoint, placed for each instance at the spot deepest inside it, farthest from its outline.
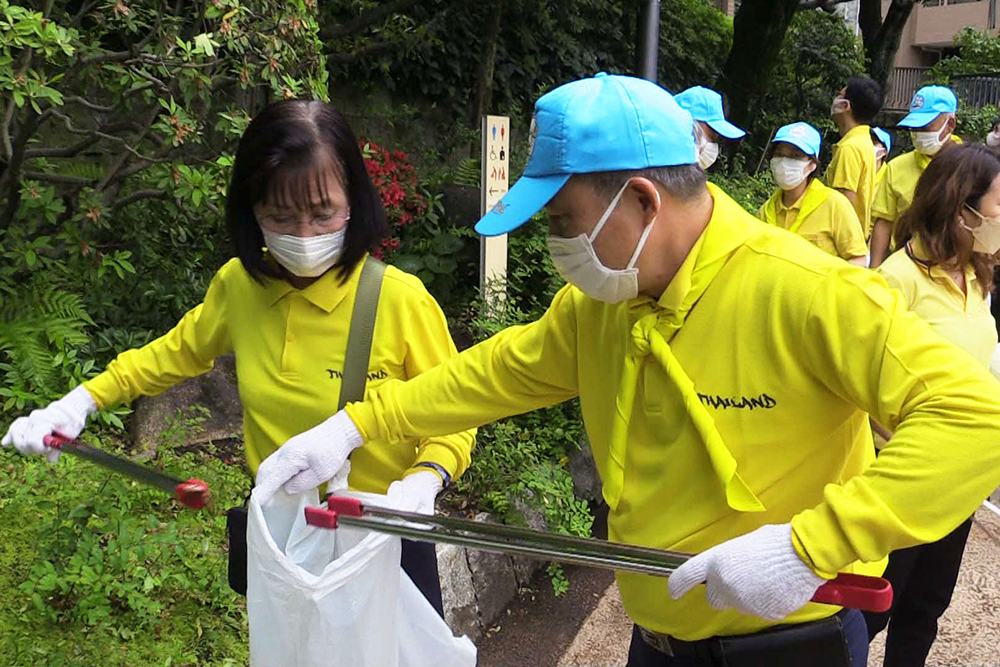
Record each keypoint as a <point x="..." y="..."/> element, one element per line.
<point x="494" y="185"/>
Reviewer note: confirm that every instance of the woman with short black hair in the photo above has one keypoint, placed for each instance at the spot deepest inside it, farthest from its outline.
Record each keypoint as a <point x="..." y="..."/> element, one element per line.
<point x="303" y="216"/>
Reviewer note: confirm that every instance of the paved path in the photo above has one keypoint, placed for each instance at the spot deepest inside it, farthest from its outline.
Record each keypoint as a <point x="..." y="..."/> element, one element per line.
<point x="588" y="627"/>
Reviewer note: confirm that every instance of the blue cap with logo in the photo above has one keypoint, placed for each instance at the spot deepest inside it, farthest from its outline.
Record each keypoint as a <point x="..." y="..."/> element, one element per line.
<point x="803" y="136"/>
<point x="605" y="123"/>
<point x="884" y="137"/>
<point x="706" y="105"/>
<point x="927" y="104"/>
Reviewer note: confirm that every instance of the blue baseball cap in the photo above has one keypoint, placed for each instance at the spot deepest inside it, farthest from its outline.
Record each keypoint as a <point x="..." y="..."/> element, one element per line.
<point x="706" y="105"/>
<point x="803" y="136"/>
<point x="884" y="137"/>
<point x="605" y="123"/>
<point x="927" y="104"/>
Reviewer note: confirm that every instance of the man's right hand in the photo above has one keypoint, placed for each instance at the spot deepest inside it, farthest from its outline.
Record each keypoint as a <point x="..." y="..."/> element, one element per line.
<point x="67" y="416"/>
<point x="308" y="459"/>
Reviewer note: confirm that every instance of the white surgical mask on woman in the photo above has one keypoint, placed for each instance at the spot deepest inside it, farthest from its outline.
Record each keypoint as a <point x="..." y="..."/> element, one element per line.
<point x="839" y="106"/>
<point x="578" y="263"/>
<point x="985" y="237"/>
<point x="307" y="257"/>
<point x="930" y="142"/>
<point x="708" y="153"/>
<point x="993" y="139"/>
<point x="789" y="172"/>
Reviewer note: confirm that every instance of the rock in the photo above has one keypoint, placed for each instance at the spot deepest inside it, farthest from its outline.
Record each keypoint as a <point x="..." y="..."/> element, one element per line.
<point x="461" y="203"/>
<point x="457" y="591"/>
<point x="583" y="470"/>
<point x="525" y="567"/>
<point x="493" y="580"/>
<point x="216" y="390"/>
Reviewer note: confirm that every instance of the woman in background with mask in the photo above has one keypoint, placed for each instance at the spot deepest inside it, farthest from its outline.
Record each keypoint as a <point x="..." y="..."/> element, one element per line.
<point x="803" y="205"/>
<point x="948" y="241"/>
<point x="300" y="188"/>
<point x="882" y="141"/>
<point x="993" y="138"/>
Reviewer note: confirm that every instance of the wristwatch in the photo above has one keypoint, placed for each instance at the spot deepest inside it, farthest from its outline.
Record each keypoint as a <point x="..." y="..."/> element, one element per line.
<point x="445" y="477"/>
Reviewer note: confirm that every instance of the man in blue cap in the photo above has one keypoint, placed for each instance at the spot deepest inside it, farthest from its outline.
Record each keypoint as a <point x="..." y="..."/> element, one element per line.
<point x="725" y="369"/>
<point x="931" y="122"/>
<point x="705" y="107"/>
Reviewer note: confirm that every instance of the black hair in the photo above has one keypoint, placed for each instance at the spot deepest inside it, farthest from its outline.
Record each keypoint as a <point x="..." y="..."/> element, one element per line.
<point x="684" y="182"/>
<point x="284" y="149"/>
<point x="866" y="98"/>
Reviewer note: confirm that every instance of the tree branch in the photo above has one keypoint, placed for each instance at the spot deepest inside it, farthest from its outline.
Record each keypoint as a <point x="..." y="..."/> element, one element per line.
<point x="370" y="17"/>
<point x="66" y="151"/>
<point x="76" y="99"/>
<point x="57" y="178"/>
<point x="123" y="158"/>
<point x="103" y="135"/>
<point x="140" y="194"/>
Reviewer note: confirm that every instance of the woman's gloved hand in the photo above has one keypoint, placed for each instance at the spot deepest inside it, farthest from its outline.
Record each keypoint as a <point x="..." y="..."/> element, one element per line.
<point x="67" y="416"/>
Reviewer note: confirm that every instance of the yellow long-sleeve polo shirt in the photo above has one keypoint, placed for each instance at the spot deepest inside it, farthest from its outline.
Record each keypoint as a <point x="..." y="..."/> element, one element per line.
<point x="289" y="346"/>
<point x="786" y="350"/>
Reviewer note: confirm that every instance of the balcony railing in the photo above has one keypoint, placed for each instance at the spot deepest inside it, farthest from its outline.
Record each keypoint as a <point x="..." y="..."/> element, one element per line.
<point x="902" y="84"/>
<point x="977" y="90"/>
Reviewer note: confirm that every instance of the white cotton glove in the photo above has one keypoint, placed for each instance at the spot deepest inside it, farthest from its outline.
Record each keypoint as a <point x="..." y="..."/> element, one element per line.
<point x="310" y="458"/>
<point x="67" y="416"/>
<point x="415" y="493"/>
<point x="758" y="574"/>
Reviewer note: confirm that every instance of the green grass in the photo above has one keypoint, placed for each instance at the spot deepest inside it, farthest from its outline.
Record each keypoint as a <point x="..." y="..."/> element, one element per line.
<point x="98" y="570"/>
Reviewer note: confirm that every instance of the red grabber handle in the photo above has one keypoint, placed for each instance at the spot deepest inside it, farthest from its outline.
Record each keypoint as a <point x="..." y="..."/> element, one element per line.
<point x="856" y="591"/>
<point x="193" y="493"/>
<point x="326" y="517"/>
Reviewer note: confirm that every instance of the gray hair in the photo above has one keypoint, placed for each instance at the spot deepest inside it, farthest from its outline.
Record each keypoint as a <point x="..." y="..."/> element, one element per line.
<point x="683" y="182"/>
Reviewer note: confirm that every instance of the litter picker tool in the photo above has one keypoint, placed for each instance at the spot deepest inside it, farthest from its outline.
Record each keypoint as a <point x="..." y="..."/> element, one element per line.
<point x="847" y="590"/>
<point x="191" y="493"/>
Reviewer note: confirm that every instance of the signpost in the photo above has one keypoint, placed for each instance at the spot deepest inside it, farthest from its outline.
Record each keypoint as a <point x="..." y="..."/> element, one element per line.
<point x="494" y="184"/>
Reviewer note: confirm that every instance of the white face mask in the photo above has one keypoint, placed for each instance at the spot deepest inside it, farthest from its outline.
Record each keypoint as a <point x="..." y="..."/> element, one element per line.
<point x="578" y="263"/>
<point x="839" y="106"/>
<point x="985" y="237"/>
<point x="708" y="153"/>
<point x="929" y="143"/>
<point x="307" y="257"/>
<point x="880" y="153"/>
<point x="789" y="172"/>
<point x="993" y="139"/>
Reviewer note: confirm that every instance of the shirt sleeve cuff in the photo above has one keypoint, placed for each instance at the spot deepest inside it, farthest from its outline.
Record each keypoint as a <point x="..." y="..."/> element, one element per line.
<point x="439" y="454"/>
<point x="816" y="527"/>
<point x="104" y="390"/>
<point x="363" y="416"/>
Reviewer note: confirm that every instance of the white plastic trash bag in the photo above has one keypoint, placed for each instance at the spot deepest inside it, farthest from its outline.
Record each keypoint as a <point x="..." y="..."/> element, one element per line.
<point x="326" y="598"/>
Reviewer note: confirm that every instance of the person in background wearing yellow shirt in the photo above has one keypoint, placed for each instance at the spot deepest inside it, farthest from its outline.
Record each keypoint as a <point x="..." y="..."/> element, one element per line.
<point x="300" y="188"/>
<point x="803" y="205"/>
<point x="852" y="169"/>
<point x="882" y="142"/>
<point x="725" y="370"/>
<point x="705" y="107"/>
<point x="931" y="121"/>
<point x="948" y="240"/>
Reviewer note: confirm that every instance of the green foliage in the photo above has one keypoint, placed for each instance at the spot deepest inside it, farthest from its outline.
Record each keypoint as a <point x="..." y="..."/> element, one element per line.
<point x="817" y="58"/>
<point x="974" y="123"/>
<point x="978" y="53"/>
<point x="748" y="190"/>
<point x="88" y="554"/>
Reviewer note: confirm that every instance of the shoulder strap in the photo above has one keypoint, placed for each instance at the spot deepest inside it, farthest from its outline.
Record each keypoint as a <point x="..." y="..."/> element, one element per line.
<point x="359" y="339"/>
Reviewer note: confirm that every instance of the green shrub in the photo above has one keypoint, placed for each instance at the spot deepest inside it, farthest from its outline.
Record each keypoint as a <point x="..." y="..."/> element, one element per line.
<point x="120" y="567"/>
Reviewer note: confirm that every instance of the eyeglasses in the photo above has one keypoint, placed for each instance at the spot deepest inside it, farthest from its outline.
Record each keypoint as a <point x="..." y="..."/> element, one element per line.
<point x="322" y="221"/>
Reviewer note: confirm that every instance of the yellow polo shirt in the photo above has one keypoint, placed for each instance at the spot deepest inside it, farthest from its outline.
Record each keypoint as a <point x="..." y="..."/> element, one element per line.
<point x="853" y="168"/>
<point x="879" y="175"/>
<point x="895" y="192"/>
<point x="822" y="216"/>
<point x="290" y="347"/>
<point x="962" y="318"/>
<point x="774" y="350"/>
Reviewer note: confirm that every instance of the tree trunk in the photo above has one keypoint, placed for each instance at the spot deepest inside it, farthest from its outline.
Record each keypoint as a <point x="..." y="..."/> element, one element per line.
<point x="758" y="32"/>
<point x="870" y="21"/>
<point x="484" y="73"/>
<point x="881" y="51"/>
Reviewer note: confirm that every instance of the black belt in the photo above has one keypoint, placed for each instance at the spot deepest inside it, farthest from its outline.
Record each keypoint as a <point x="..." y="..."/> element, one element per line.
<point x="713" y="648"/>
